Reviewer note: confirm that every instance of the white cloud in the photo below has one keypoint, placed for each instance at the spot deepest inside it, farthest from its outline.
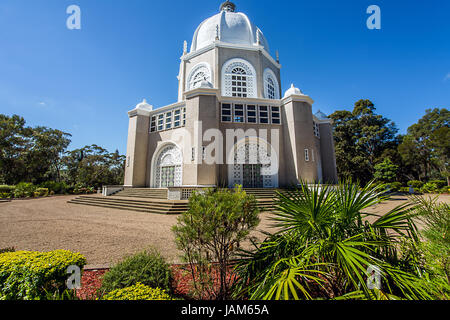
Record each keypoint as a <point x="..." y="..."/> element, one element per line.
<point x="42" y="104"/>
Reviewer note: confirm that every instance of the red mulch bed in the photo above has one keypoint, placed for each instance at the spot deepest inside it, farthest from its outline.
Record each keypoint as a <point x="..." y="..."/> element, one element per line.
<point x="91" y="281"/>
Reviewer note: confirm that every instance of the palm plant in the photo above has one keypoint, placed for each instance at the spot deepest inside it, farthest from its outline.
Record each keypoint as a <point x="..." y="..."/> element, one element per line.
<point x="326" y="242"/>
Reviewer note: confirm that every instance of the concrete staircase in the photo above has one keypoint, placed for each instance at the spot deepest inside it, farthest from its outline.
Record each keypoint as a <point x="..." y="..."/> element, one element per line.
<point x="148" y="206"/>
<point x="149" y="193"/>
<point x="155" y="200"/>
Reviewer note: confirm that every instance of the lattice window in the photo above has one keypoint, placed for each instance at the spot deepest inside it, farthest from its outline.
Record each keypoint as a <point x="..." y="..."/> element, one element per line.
<point x="198" y="73"/>
<point x="271" y="87"/>
<point x="238" y="79"/>
<point x="168" y="168"/>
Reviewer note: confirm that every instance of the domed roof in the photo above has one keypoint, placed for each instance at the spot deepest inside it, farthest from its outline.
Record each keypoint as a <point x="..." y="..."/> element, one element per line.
<point x="230" y="27"/>
<point x="293" y="91"/>
<point x="144" y="106"/>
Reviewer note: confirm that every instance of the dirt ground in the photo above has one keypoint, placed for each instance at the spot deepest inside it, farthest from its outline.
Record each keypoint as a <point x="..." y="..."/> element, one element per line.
<point x="103" y="235"/>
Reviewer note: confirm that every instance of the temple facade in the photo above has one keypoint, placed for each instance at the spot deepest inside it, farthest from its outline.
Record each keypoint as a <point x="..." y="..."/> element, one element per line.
<point x="231" y="124"/>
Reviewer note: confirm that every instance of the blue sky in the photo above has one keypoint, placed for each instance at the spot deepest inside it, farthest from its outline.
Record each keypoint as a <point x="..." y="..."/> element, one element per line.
<point x="84" y="81"/>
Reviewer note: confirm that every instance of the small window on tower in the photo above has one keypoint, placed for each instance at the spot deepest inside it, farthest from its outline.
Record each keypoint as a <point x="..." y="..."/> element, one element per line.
<point x="263" y="114"/>
<point x="226" y="112"/>
<point x="238" y="113"/>
<point x="251" y="114"/>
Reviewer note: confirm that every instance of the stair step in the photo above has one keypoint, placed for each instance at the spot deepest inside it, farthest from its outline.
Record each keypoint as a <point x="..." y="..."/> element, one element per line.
<point x="130" y="206"/>
<point x="148" y="210"/>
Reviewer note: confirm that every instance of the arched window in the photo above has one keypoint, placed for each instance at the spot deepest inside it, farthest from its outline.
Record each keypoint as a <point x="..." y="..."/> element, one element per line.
<point x="271" y="87"/>
<point x="167" y="168"/>
<point x="239" y="82"/>
<point x="238" y="79"/>
<point x="198" y="73"/>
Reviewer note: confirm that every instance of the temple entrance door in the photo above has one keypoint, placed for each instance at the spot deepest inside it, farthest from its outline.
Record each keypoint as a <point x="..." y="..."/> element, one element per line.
<point x="167" y="176"/>
<point x="252" y="177"/>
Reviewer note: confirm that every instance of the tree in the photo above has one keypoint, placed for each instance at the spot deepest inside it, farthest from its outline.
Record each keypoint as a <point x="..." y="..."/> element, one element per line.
<point x="44" y="155"/>
<point x="14" y="140"/>
<point x="93" y="166"/>
<point x="210" y="231"/>
<point x="361" y="137"/>
<point x="386" y="171"/>
<point x="426" y="147"/>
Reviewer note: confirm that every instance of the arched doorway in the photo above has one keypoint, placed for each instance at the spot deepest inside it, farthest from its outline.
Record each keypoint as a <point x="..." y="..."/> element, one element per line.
<point x="253" y="166"/>
<point x="167" y="169"/>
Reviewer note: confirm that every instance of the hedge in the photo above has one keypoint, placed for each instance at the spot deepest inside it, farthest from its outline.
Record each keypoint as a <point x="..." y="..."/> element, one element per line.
<point x="31" y="275"/>
<point x="137" y="292"/>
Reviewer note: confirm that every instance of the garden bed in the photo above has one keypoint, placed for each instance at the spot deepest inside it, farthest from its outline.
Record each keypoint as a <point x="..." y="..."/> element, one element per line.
<point x="91" y="281"/>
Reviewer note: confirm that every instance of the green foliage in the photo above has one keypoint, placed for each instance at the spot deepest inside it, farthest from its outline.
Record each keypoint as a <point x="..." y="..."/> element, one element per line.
<point x="41" y="192"/>
<point x="436" y="249"/>
<point x="9" y="249"/>
<point x="386" y="171"/>
<point x="138" y="291"/>
<point x="395" y="186"/>
<point x="56" y="187"/>
<point x="147" y="267"/>
<point x="24" y="190"/>
<point x="426" y="147"/>
<point x="28" y="275"/>
<point x="361" y="137"/>
<point x="29" y="154"/>
<point x="325" y="245"/>
<point x="439" y="183"/>
<point x="6" y="191"/>
<point x="211" y="230"/>
<point x="416" y="184"/>
<point x="39" y="154"/>
<point x="429" y="187"/>
<point x="93" y="166"/>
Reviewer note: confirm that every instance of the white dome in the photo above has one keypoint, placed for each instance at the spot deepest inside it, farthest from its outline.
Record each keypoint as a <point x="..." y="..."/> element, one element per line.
<point x="293" y="91"/>
<point x="144" y="106"/>
<point x="229" y="27"/>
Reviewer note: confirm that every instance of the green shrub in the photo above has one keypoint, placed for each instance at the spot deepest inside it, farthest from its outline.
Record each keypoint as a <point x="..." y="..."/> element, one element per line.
<point x="41" y="192"/>
<point x="8" y="249"/>
<point x="24" y="190"/>
<point x="31" y="275"/>
<point x="147" y="267"/>
<point x="404" y="189"/>
<point x="429" y="187"/>
<point x="416" y="184"/>
<point x="137" y="292"/>
<point x="56" y="187"/>
<point x="444" y="190"/>
<point x="439" y="183"/>
<point x="395" y="186"/>
<point x="6" y="191"/>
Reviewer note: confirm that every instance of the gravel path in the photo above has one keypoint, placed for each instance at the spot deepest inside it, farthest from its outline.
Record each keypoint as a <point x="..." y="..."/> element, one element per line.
<point x="103" y="235"/>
